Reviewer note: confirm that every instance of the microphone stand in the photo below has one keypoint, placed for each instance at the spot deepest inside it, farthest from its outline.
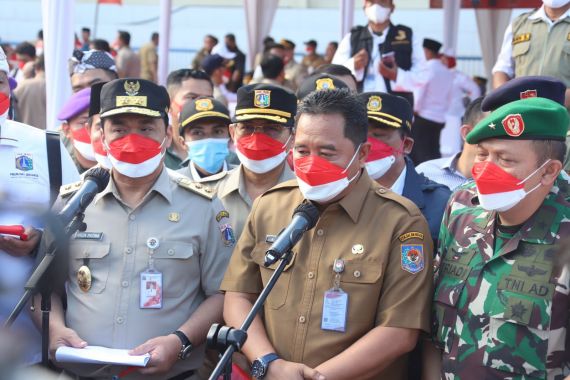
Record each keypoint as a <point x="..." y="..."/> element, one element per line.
<point x="38" y="276"/>
<point x="229" y="340"/>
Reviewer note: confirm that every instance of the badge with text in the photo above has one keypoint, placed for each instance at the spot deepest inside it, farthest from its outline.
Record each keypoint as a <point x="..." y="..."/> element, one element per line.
<point x="335" y="302"/>
<point x="151" y="290"/>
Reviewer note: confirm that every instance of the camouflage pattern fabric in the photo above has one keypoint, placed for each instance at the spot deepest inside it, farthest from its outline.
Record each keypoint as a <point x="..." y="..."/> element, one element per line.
<point x="501" y="311"/>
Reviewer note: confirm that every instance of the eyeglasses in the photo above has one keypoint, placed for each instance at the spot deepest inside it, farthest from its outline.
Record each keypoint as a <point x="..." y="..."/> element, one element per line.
<point x="274" y="131"/>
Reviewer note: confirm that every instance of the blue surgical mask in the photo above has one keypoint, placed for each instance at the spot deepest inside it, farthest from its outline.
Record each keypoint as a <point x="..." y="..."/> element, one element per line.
<point x="208" y="154"/>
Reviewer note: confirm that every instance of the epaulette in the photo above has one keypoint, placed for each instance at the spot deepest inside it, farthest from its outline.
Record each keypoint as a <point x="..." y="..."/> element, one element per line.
<point x="196" y="187"/>
<point x="67" y="190"/>
<point x="283" y="185"/>
<point x="383" y="192"/>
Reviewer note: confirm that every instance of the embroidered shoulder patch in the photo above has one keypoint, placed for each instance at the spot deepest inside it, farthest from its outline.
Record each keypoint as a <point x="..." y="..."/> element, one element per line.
<point x="411" y="235"/>
<point x="412" y="257"/>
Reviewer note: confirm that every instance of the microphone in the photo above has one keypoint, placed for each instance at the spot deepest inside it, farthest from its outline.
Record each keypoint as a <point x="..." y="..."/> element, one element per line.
<point x="95" y="181"/>
<point x="305" y="217"/>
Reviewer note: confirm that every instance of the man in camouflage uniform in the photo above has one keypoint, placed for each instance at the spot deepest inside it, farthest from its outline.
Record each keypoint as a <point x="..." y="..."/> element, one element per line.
<point x="501" y="303"/>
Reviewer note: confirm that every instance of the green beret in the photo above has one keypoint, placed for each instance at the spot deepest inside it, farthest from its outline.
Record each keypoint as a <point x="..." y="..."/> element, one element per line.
<point x="526" y="119"/>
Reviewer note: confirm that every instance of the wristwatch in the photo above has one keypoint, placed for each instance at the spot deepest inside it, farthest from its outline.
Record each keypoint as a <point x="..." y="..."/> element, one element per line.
<point x="186" y="345"/>
<point x="260" y="365"/>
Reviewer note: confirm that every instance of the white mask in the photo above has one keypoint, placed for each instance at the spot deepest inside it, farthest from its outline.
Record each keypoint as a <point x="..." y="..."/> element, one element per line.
<point x="377" y="13"/>
<point x="555" y="3"/>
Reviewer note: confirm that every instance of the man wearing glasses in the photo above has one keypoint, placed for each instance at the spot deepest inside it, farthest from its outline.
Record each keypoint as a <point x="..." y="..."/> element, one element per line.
<point x="262" y="131"/>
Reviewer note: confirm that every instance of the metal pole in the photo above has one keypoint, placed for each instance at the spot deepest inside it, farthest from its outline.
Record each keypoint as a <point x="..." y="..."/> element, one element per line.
<point x="164" y="40"/>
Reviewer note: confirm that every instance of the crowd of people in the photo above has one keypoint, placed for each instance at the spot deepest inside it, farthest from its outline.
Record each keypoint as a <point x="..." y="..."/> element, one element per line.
<point x="440" y="248"/>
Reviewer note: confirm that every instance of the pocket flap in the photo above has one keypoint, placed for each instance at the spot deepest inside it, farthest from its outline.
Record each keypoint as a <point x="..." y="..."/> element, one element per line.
<point x="521" y="48"/>
<point x="89" y="250"/>
<point x="174" y="250"/>
<point x="361" y="271"/>
<point x="258" y="256"/>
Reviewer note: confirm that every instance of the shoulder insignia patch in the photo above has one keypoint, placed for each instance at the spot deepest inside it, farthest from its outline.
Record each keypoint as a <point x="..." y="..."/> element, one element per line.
<point x="221" y="215"/>
<point x="67" y="190"/>
<point x="196" y="187"/>
<point x="521" y="38"/>
<point x="412" y="257"/>
<point x="411" y="235"/>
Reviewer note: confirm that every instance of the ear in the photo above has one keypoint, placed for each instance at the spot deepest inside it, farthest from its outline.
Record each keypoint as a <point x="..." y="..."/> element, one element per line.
<point x="363" y="154"/>
<point x="233" y="133"/>
<point x="66" y="129"/>
<point x="552" y="169"/>
<point x="464" y="131"/>
<point x="408" y="145"/>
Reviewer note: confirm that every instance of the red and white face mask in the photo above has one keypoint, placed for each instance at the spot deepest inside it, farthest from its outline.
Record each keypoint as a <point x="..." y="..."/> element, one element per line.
<point x="380" y="159"/>
<point x="320" y="180"/>
<point x="499" y="190"/>
<point x="261" y="153"/>
<point x="101" y="154"/>
<point x="4" y="107"/>
<point x="82" y="142"/>
<point x="135" y="155"/>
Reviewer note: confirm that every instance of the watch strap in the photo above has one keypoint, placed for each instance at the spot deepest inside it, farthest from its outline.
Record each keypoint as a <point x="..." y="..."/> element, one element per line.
<point x="183" y="338"/>
<point x="268" y="358"/>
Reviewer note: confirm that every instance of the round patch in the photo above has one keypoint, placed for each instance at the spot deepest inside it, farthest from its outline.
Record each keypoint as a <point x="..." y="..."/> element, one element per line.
<point x="204" y="105"/>
<point x="374" y="103"/>
<point x="514" y="125"/>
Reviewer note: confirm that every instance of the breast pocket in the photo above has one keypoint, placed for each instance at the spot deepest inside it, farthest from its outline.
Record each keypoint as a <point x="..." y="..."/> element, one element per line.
<point x="278" y="295"/>
<point x="565" y="61"/>
<point x="520" y="53"/>
<point x="518" y="335"/>
<point x="95" y="257"/>
<point x="178" y="265"/>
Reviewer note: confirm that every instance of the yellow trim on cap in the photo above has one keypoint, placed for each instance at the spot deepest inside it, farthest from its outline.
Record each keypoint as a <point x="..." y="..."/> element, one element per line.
<point x="265" y="110"/>
<point x="201" y="115"/>
<point x="135" y="110"/>
<point x="387" y="122"/>
<point x="268" y="117"/>
<point x="385" y="115"/>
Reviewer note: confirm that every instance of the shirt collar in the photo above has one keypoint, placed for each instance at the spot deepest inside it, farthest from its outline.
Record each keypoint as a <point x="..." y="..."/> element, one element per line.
<point x="353" y="202"/>
<point x="451" y="163"/>
<point x="161" y="186"/>
<point x="232" y="183"/>
<point x="540" y="14"/>
<point x="198" y="178"/>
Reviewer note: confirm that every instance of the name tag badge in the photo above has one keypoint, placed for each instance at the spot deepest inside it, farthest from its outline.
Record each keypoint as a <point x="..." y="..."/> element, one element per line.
<point x="151" y="290"/>
<point x="88" y="235"/>
<point x="335" y="309"/>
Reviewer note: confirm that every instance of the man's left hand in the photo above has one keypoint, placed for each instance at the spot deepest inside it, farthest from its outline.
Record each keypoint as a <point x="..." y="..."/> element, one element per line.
<point x="390" y="73"/>
<point x="20" y="248"/>
<point x="163" y="352"/>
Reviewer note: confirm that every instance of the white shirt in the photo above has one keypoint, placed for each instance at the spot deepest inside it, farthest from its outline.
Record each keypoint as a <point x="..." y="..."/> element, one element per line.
<point x="398" y="186"/>
<point x="462" y="86"/>
<point x="196" y="177"/>
<point x="433" y="98"/>
<point x="505" y="62"/>
<point x="374" y="81"/>
<point x="24" y="195"/>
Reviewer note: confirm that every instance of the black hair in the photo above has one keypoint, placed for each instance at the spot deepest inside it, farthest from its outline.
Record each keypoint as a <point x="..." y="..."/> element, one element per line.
<point x="231" y="37"/>
<point x="271" y="66"/>
<point x="102" y="45"/>
<point x="86" y="30"/>
<point x="41" y="34"/>
<point x="154" y="36"/>
<point x="473" y="112"/>
<point x="268" y="40"/>
<point x="334" y="43"/>
<point x="549" y="149"/>
<point x="213" y="38"/>
<point x="26" y="48"/>
<point x="333" y="69"/>
<point x="125" y="37"/>
<point x="339" y="101"/>
<point x="176" y="77"/>
<point x="273" y="45"/>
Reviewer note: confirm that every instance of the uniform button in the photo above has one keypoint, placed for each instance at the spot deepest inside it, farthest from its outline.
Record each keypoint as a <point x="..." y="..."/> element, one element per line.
<point x="311" y="275"/>
<point x="198" y="185"/>
<point x="125" y="284"/>
<point x="120" y="320"/>
<point x="320" y="232"/>
<point x="357" y="273"/>
<point x="128" y="250"/>
<point x="170" y="252"/>
<point x="382" y="190"/>
<point x="132" y="217"/>
<point x="302" y="319"/>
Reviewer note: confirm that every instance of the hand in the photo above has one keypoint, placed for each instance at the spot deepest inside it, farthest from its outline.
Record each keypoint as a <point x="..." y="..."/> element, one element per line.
<point x="360" y="59"/>
<point x="64" y="336"/>
<point x="163" y="352"/>
<point x="388" y="72"/>
<point x="20" y="248"/>
<point x="281" y="369"/>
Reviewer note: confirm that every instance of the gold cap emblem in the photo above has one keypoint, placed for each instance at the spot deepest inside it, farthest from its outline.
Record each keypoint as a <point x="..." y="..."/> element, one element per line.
<point x="132" y="88"/>
<point x="262" y="98"/>
<point x="374" y="103"/>
<point x="204" y="105"/>
<point x="324" y="84"/>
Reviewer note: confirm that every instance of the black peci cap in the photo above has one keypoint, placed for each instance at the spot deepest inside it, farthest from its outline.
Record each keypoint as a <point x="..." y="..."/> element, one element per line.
<point x="95" y="99"/>
<point x="202" y="108"/>
<point x="432" y="45"/>
<point x="388" y="110"/>
<point x="266" y="101"/>
<point x="134" y="95"/>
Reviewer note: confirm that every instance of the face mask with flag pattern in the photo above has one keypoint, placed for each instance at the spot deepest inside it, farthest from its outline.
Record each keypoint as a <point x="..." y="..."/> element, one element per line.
<point x="82" y="142"/>
<point x="261" y="153"/>
<point x="380" y="159"/>
<point x="135" y="155"/>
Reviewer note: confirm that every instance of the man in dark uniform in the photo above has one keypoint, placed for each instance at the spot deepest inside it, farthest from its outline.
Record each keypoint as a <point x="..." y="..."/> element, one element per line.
<point x="389" y="133"/>
<point x="383" y="56"/>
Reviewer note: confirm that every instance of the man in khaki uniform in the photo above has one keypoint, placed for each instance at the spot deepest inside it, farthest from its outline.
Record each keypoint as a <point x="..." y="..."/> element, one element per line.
<point x="262" y="133"/>
<point x="537" y="43"/>
<point x="149" y="59"/>
<point x="145" y="274"/>
<point x="369" y="257"/>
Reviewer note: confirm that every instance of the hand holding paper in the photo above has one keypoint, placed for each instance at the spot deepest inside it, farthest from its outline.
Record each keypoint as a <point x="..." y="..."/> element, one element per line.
<point x="100" y="355"/>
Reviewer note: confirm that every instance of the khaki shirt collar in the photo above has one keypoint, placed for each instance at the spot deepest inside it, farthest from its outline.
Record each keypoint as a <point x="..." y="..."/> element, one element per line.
<point x="161" y="186"/>
<point x="353" y="202"/>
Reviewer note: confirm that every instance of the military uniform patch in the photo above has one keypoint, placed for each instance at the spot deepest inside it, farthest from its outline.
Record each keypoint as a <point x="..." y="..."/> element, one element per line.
<point x="529" y="94"/>
<point x="262" y="98"/>
<point x="228" y="236"/>
<point x="411" y="235"/>
<point x="324" y="84"/>
<point x="513" y="124"/>
<point x="221" y="215"/>
<point x="412" y="257"/>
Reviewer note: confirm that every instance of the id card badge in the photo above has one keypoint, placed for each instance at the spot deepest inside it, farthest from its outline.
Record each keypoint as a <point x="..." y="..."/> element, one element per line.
<point x="335" y="308"/>
<point x="151" y="290"/>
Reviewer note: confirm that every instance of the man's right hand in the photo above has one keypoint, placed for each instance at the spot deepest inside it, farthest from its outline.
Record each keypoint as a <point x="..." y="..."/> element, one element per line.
<point x="283" y="370"/>
<point x="63" y="336"/>
<point x="360" y="59"/>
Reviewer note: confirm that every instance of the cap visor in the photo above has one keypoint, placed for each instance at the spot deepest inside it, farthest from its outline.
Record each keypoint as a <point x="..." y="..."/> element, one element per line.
<point x="205" y="115"/>
<point x="388" y="123"/>
<point x="134" y="110"/>
<point x="277" y="119"/>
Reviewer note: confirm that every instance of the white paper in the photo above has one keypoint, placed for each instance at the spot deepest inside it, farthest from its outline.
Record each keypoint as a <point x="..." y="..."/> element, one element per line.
<point x="100" y="355"/>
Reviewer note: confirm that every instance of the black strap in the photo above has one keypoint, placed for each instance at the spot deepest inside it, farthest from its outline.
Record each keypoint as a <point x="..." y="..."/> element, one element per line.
<point x="54" y="164"/>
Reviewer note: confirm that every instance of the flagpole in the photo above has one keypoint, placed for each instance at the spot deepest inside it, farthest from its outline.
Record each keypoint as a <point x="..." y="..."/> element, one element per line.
<point x="96" y="19"/>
